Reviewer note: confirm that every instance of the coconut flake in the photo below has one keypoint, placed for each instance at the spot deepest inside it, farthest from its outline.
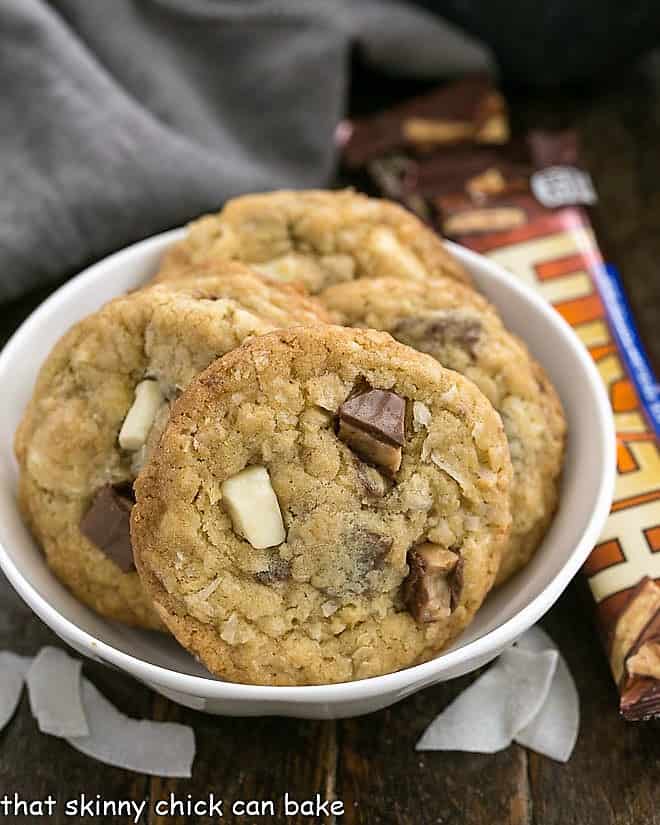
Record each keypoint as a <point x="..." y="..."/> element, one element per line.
<point x="554" y="730"/>
<point x="439" y="461"/>
<point x="528" y="696"/>
<point x="53" y="683"/>
<point x="328" y="608"/>
<point x="488" y="476"/>
<point x="442" y="533"/>
<point x="426" y="448"/>
<point x="209" y="590"/>
<point x="478" y="433"/>
<point x="486" y="716"/>
<point x="230" y="630"/>
<point x="12" y="676"/>
<point x="450" y="396"/>
<point x="421" y="416"/>
<point x="154" y="748"/>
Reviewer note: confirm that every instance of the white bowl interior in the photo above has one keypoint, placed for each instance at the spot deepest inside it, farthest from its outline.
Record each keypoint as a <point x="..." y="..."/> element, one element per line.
<point x="585" y="499"/>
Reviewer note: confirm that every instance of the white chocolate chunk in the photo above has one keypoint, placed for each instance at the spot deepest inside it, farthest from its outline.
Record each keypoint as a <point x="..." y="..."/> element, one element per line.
<point x="253" y="507"/>
<point x="385" y="248"/>
<point x="135" y="429"/>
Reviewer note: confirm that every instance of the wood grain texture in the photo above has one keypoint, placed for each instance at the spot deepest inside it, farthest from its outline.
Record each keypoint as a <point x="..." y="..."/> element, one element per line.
<point x="251" y="759"/>
<point x="34" y="765"/>
<point x="382" y="779"/>
<point x="614" y="773"/>
<point x="370" y="763"/>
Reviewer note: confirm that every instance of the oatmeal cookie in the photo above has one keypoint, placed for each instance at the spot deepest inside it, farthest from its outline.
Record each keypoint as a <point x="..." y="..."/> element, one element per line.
<point x="325" y="505"/>
<point x="315" y="238"/>
<point x="463" y="332"/>
<point x="100" y="402"/>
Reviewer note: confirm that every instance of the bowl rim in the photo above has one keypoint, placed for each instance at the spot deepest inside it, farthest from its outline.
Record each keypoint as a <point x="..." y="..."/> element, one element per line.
<point x="482" y="649"/>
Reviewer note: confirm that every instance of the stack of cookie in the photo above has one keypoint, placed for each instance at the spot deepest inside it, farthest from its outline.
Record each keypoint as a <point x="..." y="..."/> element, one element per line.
<point x="308" y="448"/>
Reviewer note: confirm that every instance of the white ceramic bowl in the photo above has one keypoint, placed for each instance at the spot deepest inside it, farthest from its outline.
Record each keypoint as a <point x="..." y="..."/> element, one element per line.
<point x="157" y="660"/>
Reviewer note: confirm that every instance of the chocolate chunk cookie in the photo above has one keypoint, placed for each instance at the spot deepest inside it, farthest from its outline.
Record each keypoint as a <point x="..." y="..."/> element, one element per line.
<point x="459" y="328"/>
<point x="325" y="505"/>
<point x="100" y="402"/>
<point x="315" y="238"/>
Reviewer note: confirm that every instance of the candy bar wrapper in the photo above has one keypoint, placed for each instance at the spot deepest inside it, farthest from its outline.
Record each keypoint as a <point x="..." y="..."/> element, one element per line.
<point x="525" y="203"/>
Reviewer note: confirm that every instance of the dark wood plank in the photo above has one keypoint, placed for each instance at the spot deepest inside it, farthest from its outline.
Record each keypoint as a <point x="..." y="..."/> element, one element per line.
<point x="613" y="776"/>
<point x="34" y="765"/>
<point x="251" y="759"/>
<point x="382" y="779"/>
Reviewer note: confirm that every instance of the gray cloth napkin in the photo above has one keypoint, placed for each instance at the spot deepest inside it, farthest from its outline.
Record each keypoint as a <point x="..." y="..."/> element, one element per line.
<point x="120" y="119"/>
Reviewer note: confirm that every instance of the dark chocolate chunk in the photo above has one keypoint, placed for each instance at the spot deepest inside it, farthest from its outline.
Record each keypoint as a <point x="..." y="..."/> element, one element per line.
<point x="432" y="587"/>
<point x="431" y="333"/>
<point x="279" y="570"/>
<point x="482" y="119"/>
<point x="640" y="695"/>
<point x="379" y="412"/>
<point x="649" y="633"/>
<point x="372" y="423"/>
<point x="107" y="524"/>
<point x="452" y="171"/>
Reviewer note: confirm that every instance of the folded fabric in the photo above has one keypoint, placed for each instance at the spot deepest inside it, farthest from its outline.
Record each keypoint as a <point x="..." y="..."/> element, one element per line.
<point x="123" y="119"/>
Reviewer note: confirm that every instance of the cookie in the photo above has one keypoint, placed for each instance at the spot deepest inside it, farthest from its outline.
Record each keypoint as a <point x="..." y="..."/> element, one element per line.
<point x="316" y="239"/>
<point x="458" y="327"/>
<point x="100" y="401"/>
<point x="325" y="505"/>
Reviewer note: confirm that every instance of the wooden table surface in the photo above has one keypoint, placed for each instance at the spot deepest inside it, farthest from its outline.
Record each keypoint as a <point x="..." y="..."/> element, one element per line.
<point x="370" y="763"/>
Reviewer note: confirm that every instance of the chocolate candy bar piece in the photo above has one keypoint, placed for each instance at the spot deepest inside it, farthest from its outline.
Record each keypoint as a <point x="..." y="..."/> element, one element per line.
<point x="640" y="701"/>
<point x="635" y="652"/>
<point x="469" y="110"/>
<point x="107" y="524"/>
<point x="373" y="424"/>
<point x="429" y="591"/>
